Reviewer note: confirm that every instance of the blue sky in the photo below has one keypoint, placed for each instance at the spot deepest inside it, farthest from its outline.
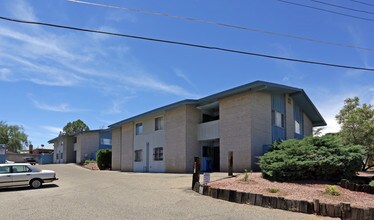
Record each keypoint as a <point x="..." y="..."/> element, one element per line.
<point x="49" y="77"/>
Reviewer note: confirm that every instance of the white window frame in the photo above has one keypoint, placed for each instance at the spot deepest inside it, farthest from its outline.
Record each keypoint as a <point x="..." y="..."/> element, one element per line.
<point x="106" y="141"/>
<point x="278" y="119"/>
<point x="138" y="155"/>
<point x="158" y="154"/>
<point x="159" y="123"/>
<point x="297" y="127"/>
<point x="139" y="128"/>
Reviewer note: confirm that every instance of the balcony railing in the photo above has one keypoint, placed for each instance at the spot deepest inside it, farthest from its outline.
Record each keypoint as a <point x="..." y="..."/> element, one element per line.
<point x="208" y="131"/>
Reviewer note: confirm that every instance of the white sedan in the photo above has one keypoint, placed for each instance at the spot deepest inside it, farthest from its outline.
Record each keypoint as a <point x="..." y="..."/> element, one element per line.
<point x="20" y="174"/>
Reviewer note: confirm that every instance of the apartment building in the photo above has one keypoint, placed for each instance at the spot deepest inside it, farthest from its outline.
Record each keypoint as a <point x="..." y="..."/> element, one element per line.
<point x="81" y="146"/>
<point x="245" y="120"/>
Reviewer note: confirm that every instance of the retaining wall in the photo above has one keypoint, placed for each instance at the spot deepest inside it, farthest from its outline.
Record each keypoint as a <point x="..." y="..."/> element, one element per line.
<point x="342" y="210"/>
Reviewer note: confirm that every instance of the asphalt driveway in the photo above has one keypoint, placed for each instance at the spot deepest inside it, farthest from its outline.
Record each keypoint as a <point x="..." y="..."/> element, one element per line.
<point x="83" y="194"/>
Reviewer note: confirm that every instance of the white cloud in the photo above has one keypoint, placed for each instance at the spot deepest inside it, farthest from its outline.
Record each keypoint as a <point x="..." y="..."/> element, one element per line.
<point x="52" y="129"/>
<point x="63" y="107"/>
<point x="117" y="104"/>
<point x="331" y="106"/>
<point x="5" y="75"/>
<point x="44" y="58"/>
<point x="183" y="76"/>
<point x="21" y="9"/>
<point x="148" y="82"/>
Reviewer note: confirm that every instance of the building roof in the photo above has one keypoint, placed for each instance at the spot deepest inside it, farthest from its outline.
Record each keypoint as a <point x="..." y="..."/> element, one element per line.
<point x="297" y="94"/>
<point x="76" y="134"/>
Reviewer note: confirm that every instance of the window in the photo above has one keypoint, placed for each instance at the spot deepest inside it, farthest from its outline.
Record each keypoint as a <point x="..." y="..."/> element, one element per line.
<point x="106" y="141"/>
<point x="4" y="170"/>
<point x="75" y="139"/>
<point x="158" y="153"/>
<point x="20" y="169"/>
<point x="159" y="123"/>
<point x="278" y="119"/>
<point x="297" y="127"/>
<point x="139" y="128"/>
<point x="138" y="155"/>
<point x="61" y="156"/>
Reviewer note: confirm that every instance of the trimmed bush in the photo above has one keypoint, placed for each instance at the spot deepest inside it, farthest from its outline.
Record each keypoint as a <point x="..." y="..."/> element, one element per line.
<point x="104" y="159"/>
<point x="312" y="158"/>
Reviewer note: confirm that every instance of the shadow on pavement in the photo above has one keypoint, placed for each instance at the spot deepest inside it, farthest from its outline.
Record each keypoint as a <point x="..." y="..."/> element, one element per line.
<point x="23" y="188"/>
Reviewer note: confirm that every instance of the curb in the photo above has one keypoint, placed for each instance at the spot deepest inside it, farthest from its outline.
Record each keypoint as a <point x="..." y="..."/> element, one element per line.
<point x="342" y="210"/>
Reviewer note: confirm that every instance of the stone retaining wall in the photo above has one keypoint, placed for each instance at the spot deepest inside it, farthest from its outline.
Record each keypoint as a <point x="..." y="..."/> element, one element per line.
<point x="343" y="210"/>
<point x="357" y="187"/>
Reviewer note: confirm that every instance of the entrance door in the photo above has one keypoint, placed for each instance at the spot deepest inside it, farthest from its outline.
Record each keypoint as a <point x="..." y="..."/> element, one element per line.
<point x="210" y="159"/>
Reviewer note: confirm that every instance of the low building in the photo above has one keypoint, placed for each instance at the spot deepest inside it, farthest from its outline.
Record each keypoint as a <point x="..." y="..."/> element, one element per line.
<point x="245" y="120"/>
<point x="2" y="153"/>
<point x="81" y="146"/>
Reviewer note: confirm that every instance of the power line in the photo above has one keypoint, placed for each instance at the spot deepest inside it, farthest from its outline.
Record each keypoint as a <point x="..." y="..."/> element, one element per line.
<point x="225" y="25"/>
<point x="188" y="44"/>
<point x="343" y="7"/>
<point x="365" y="3"/>
<point x="325" y="10"/>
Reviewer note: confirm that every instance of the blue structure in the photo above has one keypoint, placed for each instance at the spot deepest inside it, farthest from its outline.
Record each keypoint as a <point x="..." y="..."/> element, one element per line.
<point x="2" y="153"/>
<point x="278" y="109"/>
<point x="46" y="158"/>
<point x="105" y="139"/>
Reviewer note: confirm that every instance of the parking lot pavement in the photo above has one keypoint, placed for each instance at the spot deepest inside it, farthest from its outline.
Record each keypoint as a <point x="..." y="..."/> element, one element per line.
<point x="84" y="194"/>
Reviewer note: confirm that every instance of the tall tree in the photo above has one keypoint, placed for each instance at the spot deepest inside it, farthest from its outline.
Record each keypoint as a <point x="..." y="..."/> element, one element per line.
<point x="13" y="136"/>
<point x="357" y="127"/>
<point x="75" y="127"/>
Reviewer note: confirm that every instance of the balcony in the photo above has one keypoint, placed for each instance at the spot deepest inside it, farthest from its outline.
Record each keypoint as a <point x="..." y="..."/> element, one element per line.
<point x="208" y="131"/>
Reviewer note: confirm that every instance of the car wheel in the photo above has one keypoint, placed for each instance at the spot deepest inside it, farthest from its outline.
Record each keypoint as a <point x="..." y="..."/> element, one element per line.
<point x="36" y="183"/>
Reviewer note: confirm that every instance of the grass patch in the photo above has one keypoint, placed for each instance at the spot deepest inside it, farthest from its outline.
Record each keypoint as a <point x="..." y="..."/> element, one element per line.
<point x="273" y="190"/>
<point x="332" y="190"/>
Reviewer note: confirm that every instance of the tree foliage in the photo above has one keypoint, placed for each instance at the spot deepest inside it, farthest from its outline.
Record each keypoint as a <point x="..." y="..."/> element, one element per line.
<point x="75" y="127"/>
<point x="357" y="127"/>
<point x="311" y="158"/>
<point x="13" y="136"/>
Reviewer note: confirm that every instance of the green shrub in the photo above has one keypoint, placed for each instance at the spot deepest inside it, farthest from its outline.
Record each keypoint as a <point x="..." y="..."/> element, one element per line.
<point x="245" y="178"/>
<point x="332" y="190"/>
<point x="104" y="159"/>
<point x="89" y="161"/>
<point x="273" y="190"/>
<point x="371" y="183"/>
<point x="311" y="158"/>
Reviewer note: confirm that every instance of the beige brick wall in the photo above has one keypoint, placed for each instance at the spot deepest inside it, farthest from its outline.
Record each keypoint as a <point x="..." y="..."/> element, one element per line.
<point x="175" y="139"/>
<point x="235" y="131"/>
<point x="127" y="139"/>
<point x="290" y="119"/>
<point x="308" y="127"/>
<point x="261" y="134"/>
<point x="192" y="145"/>
<point x="87" y="143"/>
<point x="116" y="148"/>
